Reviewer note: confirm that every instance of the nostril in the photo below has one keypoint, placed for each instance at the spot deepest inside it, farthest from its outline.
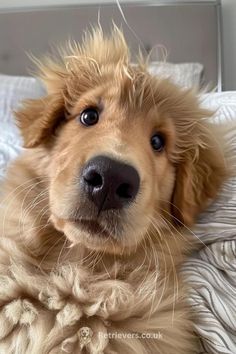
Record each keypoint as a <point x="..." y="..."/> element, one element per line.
<point x="124" y="191"/>
<point x="94" y="179"/>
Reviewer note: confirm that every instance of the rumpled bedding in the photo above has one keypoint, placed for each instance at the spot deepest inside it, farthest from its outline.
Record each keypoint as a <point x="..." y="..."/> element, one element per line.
<point x="13" y="90"/>
<point x="211" y="272"/>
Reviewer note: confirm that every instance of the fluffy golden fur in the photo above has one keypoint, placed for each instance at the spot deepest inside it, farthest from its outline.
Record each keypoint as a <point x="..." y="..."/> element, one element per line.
<point x="57" y="276"/>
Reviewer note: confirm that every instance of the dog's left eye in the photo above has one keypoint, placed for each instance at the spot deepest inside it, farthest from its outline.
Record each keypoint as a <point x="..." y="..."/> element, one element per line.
<point x="158" y="142"/>
<point x="89" y="117"/>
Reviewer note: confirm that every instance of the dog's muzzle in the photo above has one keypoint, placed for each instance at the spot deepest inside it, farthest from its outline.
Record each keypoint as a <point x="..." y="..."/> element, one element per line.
<point x="109" y="183"/>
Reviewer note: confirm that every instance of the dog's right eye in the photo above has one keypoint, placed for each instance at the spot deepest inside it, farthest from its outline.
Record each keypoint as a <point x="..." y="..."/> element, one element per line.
<point x="89" y="117"/>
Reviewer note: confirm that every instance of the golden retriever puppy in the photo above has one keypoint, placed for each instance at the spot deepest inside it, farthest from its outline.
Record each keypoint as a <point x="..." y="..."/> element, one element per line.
<point x="96" y="211"/>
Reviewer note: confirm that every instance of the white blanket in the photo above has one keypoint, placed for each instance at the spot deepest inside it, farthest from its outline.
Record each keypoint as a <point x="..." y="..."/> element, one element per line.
<point x="212" y="271"/>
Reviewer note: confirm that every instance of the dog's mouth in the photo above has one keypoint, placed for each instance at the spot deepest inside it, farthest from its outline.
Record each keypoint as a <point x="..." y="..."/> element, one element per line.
<point x="98" y="233"/>
<point x="91" y="226"/>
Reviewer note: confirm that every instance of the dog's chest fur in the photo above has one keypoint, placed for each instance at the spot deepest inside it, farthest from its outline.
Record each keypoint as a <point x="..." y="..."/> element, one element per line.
<point x="46" y="312"/>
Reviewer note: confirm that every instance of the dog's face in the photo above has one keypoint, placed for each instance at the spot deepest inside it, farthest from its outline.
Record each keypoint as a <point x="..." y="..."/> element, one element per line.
<point x="127" y="153"/>
<point x="112" y="173"/>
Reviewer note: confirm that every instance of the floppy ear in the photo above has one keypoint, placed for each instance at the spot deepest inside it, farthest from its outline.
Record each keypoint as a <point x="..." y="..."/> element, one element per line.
<point x="198" y="178"/>
<point x="38" y="118"/>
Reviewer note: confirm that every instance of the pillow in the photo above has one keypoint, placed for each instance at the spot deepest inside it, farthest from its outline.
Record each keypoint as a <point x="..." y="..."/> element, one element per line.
<point x="13" y="90"/>
<point x="186" y="75"/>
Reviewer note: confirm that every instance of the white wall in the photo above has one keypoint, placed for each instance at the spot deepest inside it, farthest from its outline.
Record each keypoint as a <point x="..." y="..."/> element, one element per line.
<point x="21" y="4"/>
<point x="229" y="43"/>
<point x="11" y="4"/>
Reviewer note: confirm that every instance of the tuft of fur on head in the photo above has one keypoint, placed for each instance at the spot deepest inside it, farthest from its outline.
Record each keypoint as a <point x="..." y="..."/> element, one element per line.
<point x="97" y="57"/>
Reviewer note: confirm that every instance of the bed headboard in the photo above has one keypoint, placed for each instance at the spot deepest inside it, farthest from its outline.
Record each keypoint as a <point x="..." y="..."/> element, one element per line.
<point x="189" y="30"/>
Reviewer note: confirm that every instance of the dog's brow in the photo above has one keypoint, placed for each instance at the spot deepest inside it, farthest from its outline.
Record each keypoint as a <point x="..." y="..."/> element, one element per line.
<point x="100" y="104"/>
<point x="71" y="116"/>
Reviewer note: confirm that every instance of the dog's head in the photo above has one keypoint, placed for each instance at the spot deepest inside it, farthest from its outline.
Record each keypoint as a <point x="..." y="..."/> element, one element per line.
<point x="125" y="152"/>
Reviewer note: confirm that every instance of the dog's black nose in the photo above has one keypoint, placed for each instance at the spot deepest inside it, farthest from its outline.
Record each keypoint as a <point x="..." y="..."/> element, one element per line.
<point x="110" y="184"/>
